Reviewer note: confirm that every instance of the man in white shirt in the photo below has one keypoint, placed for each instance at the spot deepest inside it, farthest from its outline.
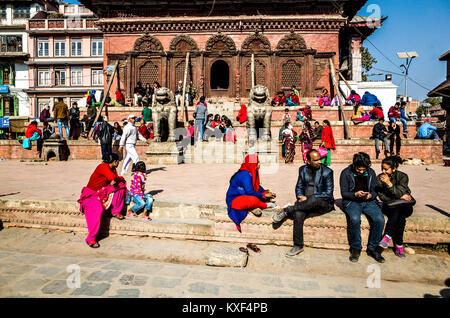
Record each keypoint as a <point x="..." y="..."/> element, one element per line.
<point x="128" y="140"/>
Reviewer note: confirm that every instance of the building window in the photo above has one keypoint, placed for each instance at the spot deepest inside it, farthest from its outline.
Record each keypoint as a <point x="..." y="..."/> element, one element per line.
<point x="43" y="47"/>
<point x="76" y="74"/>
<point x="60" y="48"/>
<point x="44" y="77"/>
<point x="97" y="47"/>
<point x="97" y="77"/>
<point x="11" y="43"/>
<point x="6" y="76"/>
<point x="75" y="45"/>
<point x="21" y="12"/>
<point x="60" y="77"/>
<point x="2" y="11"/>
<point x="69" y="9"/>
<point x="83" y="9"/>
<point x="42" y="102"/>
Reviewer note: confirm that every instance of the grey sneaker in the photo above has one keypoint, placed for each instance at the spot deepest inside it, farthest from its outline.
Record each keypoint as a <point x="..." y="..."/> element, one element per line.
<point x="278" y="216"/>
<point x="294" y="251"/>
<point x="271" y="205"/>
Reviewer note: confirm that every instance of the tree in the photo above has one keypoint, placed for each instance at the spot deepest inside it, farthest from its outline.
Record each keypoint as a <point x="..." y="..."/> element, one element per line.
<point x="367" y="61"/>
<point x="421" y="110"/>
<point x="434" y="101"/>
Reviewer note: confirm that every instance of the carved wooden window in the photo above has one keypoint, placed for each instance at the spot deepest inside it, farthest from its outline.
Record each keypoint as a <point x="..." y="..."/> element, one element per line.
<point x="290" y="74"/>
<point x="179" y="72"/>
<point x="260" y="74"/>
<point x="149" y="73"/>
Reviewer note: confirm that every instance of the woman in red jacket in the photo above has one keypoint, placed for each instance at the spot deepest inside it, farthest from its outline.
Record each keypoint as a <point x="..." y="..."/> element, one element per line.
<point x="105" y="190"/>
<point x="327" y="142"/>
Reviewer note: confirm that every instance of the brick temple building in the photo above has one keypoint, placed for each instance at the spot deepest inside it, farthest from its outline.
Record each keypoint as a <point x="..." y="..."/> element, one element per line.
<point x="292" y="42"/>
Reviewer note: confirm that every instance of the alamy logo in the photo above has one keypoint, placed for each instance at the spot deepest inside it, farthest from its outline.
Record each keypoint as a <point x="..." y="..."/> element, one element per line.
<point x="74" y="279"/>
<point x="374" y="279"/>
<point x="374" y="19"/>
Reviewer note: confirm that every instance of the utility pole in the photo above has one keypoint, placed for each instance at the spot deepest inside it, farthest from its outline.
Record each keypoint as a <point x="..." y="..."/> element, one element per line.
<point x="409" y="56"/>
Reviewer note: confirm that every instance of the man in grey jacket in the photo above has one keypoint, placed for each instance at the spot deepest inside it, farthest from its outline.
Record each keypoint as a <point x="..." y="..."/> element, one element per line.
<point x="200" y="115"/>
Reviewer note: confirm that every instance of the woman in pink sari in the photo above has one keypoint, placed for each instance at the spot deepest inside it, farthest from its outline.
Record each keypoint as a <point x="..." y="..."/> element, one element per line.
<point x="105" y="190"/>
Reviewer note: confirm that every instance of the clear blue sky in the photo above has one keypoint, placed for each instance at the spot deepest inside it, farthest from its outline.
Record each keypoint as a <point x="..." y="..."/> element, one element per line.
<point x="412" y="25"/>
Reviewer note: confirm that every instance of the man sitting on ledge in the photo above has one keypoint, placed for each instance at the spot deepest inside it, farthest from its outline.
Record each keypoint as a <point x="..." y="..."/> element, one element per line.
<point x="314" y="192"/>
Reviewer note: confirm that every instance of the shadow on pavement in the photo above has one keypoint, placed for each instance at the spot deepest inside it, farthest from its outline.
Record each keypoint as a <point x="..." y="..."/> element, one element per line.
<point x="155" y="169"/>
<point x="155" y="192"/>
<point x="5" y="195"/>
<point x="444" y="293"/>
<point x="438" y="210"/>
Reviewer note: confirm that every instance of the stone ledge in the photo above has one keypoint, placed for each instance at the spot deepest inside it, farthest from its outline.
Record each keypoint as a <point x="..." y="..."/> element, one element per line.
<point x="210" y="222"/>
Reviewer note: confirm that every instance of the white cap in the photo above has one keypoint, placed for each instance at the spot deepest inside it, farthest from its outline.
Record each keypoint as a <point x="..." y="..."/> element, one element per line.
<point x="131" y="116"/>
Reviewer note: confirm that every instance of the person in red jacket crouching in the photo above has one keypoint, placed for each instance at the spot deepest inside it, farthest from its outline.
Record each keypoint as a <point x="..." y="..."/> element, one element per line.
<point x="32" y="133"/>
<point x="376" y="112"/>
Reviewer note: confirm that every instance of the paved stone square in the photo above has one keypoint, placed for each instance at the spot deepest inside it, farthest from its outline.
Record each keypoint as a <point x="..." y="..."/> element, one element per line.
<point x="106" y="273"/>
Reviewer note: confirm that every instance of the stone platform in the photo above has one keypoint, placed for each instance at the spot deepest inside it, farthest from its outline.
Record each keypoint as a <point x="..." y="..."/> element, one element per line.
<point x="220" y="152"/>
<point x="327" y="112"/>
<point x="190" y="204"/>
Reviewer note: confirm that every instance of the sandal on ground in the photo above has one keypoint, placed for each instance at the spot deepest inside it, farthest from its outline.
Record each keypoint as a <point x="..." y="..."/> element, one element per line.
<point x="119" y="216"/>
<point x="253" y="247"/>
<point x="93" y="244"/>
<point x="147" y="218"/>
<point x="243" y="250"/>
<point x="131" y="215"/>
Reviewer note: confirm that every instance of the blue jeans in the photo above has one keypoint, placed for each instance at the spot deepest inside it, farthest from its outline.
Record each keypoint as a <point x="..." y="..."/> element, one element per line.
<point x="432" y="135"/>
<point x="66" y="125"/>
<point x="198" y="128"/>
<point x="405" y="126"/>
<point x="376" y="221"/>
<point x="140" y="203"/>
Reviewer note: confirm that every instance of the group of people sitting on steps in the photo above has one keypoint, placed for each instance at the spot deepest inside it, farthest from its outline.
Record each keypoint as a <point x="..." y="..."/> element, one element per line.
<point x="359" y="186"/>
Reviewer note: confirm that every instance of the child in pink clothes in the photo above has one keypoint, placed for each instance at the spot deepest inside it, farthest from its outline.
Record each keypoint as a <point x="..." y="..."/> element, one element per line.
<point x="137" y="192"/>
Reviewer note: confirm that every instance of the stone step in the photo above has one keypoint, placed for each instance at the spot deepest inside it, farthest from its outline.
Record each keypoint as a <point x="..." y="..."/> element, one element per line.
<point x="231" y="110"/>
<point x="166" y="153"/>
<point x="213" y="224"/>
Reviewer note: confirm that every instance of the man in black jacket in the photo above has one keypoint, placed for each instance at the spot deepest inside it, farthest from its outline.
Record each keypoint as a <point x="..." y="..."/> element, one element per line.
<point x="105" y="135"/>
<point x="314" y="193"/>
<point x="379" y="133"/>
<point x="357" y="184"/>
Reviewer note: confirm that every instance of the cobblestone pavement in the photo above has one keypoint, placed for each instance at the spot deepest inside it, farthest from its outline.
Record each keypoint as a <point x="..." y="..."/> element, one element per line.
<point x="46" y="273"/>
<point x="205" y="183"/>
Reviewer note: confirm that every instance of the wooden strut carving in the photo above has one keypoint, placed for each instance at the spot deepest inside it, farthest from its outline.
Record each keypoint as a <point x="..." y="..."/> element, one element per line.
<point x="148" y="44"/>
<point x="221" y="43"/>
<point x="256" y="42"/>
<point x="183" y="43"/>
<point x="292" y="42"/>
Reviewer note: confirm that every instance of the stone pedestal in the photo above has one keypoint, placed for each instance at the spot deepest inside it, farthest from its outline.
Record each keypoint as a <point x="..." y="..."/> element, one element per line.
<point x="56" y="146"/>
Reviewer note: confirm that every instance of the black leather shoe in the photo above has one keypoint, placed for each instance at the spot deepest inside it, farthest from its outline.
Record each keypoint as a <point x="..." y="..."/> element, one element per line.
<point x="376" y="255"/>
<point x="354" y="255"/>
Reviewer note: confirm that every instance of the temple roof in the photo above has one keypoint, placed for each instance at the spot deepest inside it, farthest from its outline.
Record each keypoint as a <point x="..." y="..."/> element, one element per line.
<point x="143" y="8"/>
<point x="445" y="56"/>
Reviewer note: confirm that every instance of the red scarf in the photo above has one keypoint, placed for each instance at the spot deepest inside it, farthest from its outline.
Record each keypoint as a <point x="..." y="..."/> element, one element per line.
<point x="250" y="163"/>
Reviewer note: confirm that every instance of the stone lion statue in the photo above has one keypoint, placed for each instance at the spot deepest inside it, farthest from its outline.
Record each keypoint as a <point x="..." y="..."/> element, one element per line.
<point x="259" y="110"/>
<point x="165" y="108"/>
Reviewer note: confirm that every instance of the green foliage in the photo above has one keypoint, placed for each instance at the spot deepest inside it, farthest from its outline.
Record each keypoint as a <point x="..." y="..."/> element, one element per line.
<point x="420" y="111"/>
<point x="434" y="101"/>
<point x="367" y="61"/>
